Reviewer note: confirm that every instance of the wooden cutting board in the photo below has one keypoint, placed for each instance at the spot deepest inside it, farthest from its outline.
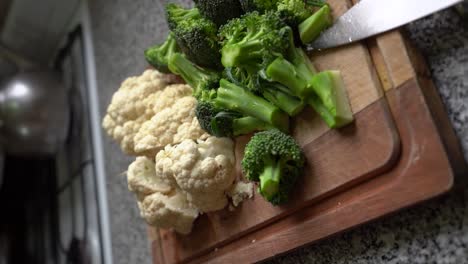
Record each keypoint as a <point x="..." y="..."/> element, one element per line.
<point x="352" y="175"/>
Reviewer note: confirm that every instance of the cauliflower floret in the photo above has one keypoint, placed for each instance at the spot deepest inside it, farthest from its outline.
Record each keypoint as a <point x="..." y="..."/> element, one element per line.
<point x="203" y="169"/>
<point x="136" y="102"/>
<point x="143" y="181"/>
<point x="160" y="201"/>
<point x="169" y="126"/>
<point x="240" y="191"/>
<point x="169" y="211"/>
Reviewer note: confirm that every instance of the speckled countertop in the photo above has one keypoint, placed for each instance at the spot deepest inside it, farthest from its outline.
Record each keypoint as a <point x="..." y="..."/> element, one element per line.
<point x="433" y="232"/>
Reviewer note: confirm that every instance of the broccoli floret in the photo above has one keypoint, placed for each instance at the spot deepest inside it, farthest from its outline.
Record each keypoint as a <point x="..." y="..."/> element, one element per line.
<point x="276" y="160"/>
<point x="223" y="122"/>
<point x="311" y="28"/>
<point x="195" y="35"/>
<point x="330" y="99"/>
<point x="219" y="11"/>
<point x="244" y="77"/>
<point x="252" y="39"/>
<point x="258" y="5"/>
<point x="198" y="78"/>
<point x="158" y="55"/>
<point x="293" y="12"/>
<point x="233" y="97"/>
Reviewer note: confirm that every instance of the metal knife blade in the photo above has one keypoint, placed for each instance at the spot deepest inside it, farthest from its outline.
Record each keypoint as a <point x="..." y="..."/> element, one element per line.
<point x="371" y="17"/>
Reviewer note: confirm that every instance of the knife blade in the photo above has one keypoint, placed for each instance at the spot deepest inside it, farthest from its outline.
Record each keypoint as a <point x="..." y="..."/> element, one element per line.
<point x="371" y="17"/>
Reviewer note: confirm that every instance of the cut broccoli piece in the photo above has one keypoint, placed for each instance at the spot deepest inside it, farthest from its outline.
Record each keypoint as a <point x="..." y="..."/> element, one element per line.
<point x="311" y="28"/>
<point x="198" y="78"/>
<point x="252" y="39"/>
<point x="158" y="55"/>
<point x="238" y="99"/>
<point x="330" y="99"/>
<point x="293" y="12"/>
<point x="276" y="160"/>
<point x="222" y="122"/>
<point x="281" y="96"/>
<point x="195" y="35"/>
<point x="219" y="11"/>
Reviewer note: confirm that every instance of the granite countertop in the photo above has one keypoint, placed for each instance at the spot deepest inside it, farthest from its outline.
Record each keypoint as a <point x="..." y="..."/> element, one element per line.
<point x="433" y="232"/>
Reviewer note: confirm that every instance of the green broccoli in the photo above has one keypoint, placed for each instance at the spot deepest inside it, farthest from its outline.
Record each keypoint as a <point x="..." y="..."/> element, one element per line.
<point x="276" y="160"/>
<point x="324" y="92"/>
<point x="294" y="71"/>
<point x="293" y="12"/>
<point x="233" y="97"/>
<point x="219" y="11"/>
<point x="158" y="55"/>
<point x="198" y="78"/>
<point x="253" y="39"/>
<point x="195" y="35"/>
<point x="330" y="99"/>
<point x="258" y="5"/>
<point x="275" y="93"/>
<point x="225" y="123"/>
<point x="311" y="28"/>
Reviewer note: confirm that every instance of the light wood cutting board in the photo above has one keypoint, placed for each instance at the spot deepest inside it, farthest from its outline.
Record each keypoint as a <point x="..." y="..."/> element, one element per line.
<point x="345" y="166"/>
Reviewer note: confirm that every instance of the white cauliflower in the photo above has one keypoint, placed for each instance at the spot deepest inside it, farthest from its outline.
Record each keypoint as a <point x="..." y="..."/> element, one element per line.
<point x="240" y="191"/>
<point x="145" y="102"/>
<point x="171" y="125"/>
<point x="161" y="203"/>
<point x="169" y="211"/>
<point x="142" y="179"/>
<point x="203" y="169"/>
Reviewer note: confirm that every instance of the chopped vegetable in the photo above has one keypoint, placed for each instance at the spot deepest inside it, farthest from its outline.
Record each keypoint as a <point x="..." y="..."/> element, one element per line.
<point x="330" y="99"/>
<point x="158" y="55"/>
<point x="198" y="78"/>
<point x="219" y="11"/>
<point x="275" y="160"/>
<point x="195" y="35"/>
<point x="311" y="28"/>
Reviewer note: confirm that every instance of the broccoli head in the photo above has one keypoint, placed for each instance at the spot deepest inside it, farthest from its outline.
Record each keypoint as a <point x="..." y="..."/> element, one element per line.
<point x="252" y="39"/>
<point x="198" y="78"/>
<point x="275" y="160"/>
<point x="219" y="11"/>
<point x="158" y="55"/>
<point x="258" y="5"/>
<point x="293" y="12"/>
<point x="195" y="35"/>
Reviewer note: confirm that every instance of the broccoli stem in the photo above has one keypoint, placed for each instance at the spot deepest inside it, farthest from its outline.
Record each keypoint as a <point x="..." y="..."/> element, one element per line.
<point x="158" y="55"/>
<point x="192" y="74"/>
<point x="270" y="179"/>
<point x="286" y="102"/>
<point x="236" y="54"/>
<point x="330" y="100"/>
<point x="236" y="98"/>
<point x="284" y="72"/>
<point x="248" y="124"/>
<point x="311" y="28"/>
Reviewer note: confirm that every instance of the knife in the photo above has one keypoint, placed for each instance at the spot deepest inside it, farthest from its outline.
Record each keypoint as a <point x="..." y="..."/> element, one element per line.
<point x="371" y="17"/>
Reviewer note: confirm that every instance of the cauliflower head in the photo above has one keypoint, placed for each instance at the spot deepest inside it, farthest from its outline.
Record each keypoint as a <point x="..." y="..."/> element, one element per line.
<point x="143" y="103"/>
<point x="203" y="169"/>
<point x="161" y="202"/>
